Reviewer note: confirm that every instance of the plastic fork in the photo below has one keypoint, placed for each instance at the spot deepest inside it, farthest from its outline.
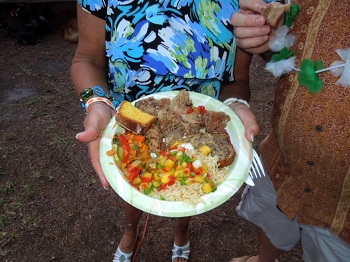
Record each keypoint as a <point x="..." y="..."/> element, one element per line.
<point x="257" y="169"/>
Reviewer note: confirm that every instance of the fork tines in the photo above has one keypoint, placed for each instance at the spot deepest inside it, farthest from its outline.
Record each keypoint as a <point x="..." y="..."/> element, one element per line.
<point x="257" y="169"/>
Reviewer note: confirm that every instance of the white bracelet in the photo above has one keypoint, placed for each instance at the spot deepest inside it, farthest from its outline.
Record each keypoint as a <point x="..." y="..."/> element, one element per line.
<point x="98" y="99"/>
<point x="232" y="100"/>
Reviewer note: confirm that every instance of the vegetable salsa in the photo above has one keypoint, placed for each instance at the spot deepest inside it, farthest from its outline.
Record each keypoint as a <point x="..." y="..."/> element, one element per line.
<point x="149" y="172"/>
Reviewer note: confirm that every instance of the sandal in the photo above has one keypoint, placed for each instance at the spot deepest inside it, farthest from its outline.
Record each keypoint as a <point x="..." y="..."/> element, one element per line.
<point x="120" y="256"/>
<point x="182" y="252"/>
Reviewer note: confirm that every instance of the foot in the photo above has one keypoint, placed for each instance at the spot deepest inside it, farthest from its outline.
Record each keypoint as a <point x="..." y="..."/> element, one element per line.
<point x="120" y="256"/>
<point x="128" y="241"/>
<point x="181" y="253"/>
<point x="245" y="259"/>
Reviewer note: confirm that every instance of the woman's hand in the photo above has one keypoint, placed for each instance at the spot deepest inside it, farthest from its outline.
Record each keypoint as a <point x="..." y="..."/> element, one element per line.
<point x="248" y="119"/>
<point x="95" y="122"/>
<point x="251" y="32"/>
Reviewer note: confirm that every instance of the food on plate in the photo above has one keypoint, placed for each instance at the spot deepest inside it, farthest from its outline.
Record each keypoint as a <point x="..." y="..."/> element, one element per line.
<point x="274" y="13"/>
<point x="178" y="119"/>
<point x="180" y="156"/>
<point x="134" y="119"/>
<point x="219" y="144"/>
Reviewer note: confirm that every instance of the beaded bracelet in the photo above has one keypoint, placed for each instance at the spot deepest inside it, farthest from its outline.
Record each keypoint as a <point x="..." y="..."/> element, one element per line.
<point x="232" y="100"/>
<point x="87" y="99"/>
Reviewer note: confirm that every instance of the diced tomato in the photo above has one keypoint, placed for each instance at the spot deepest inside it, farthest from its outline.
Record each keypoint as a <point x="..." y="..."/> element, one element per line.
<point x="134" y="170"/>
<point x="198" y="172"/>
<point x="190" y="110"/>
<point x="162" y="187"/>
<point x="164" y="153"/>
<point x="146" y="179"/>
<point x="202" y="109"/>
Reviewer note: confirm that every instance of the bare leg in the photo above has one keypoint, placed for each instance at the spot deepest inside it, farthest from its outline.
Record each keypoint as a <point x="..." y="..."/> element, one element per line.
<point x="182" y="231"/>
<point x="266" y="251"/>
<point x="182" y="237"/>
<point x="132" y="217"/>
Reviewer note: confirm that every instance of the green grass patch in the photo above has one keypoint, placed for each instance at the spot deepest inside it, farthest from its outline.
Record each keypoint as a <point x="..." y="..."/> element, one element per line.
<point x="8" y="187"/>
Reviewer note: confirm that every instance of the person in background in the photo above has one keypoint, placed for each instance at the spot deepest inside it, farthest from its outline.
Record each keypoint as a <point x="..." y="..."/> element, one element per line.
<point x="130" y="49"/>
<point x="305" y="197"/>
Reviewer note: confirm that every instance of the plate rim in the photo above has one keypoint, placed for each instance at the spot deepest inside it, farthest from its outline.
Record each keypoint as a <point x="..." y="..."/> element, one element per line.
<point x="155" y="206"/>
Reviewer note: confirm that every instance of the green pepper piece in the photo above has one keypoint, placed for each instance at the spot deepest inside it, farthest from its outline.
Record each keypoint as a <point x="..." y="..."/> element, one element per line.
<point x="148" y="190"/>
<point x="120" y="152"/>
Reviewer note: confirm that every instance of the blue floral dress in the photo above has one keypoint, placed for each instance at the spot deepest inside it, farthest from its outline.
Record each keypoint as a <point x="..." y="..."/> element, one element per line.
<point x="163" y="45"/>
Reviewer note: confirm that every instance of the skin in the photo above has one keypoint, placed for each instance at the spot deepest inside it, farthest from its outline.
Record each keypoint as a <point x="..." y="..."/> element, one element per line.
<point x="89" y="67"/>
<point x="252" y="36"/>
<point x="240" y="89"/>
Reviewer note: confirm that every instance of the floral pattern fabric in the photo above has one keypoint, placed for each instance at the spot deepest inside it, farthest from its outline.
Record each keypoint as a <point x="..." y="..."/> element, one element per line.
<point x="164" y="45"/>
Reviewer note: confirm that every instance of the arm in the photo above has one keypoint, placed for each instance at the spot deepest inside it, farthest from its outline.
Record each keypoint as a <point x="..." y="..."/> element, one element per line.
<point x="89" y="69"/>
<point x="241" y="89"/>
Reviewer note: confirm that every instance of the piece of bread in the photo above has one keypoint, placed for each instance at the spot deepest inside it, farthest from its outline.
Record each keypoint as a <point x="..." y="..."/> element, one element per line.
<point x="133" y="119"/>
<point x="274" y="13"/>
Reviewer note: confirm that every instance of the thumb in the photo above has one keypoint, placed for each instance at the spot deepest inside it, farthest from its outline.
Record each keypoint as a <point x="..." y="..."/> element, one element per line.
<point x="248" y="119"/>
<point x="90" y="134"/>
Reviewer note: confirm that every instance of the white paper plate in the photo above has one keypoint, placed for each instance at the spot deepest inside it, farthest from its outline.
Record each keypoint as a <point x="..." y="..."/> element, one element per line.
<point x="237" y="174"/>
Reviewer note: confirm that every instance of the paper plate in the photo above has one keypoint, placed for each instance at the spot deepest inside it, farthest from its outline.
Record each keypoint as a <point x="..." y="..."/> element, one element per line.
<point x="238" y="171"/>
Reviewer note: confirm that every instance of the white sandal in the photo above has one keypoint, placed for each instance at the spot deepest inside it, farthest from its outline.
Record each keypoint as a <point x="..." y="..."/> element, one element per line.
<point x="120" y="256"/>
<point x="181" y="252"/>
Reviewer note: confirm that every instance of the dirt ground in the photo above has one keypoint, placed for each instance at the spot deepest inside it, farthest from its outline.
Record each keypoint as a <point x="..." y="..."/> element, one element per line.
<point x="53" y="207"/>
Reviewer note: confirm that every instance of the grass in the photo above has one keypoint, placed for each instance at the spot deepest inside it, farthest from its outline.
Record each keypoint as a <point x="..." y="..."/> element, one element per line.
<point x="11" y="136"/>
<point x="8" y="187"/>
<point x="14" y="200"/>
<point x="4" y="222"/>
<point x="90" y="181"/>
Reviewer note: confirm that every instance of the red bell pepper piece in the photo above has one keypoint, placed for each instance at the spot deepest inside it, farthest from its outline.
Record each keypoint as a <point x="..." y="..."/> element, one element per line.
<point x="202" y="109"/>
<point x="126" y="147"/>
<point x="172" y="180"/>
<point x="162" y="187"/>
<point x="133" y="173"/>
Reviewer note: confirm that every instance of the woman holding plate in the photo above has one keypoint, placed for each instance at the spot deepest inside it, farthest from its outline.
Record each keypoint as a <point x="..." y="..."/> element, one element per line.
<point x="130" y="49"/>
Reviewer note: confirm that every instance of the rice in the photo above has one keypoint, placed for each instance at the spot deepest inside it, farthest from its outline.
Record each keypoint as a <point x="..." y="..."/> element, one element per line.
<point x="193" y="192"/>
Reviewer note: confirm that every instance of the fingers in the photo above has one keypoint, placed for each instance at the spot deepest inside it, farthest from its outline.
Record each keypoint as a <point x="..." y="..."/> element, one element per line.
<point x="248" y="119"/>
<point x="246" y="18"/>
<point x="90" y="134"/>
<point x="254" y="46"/>
<point x="95" y="122"/>
<point x="251" y="32"/>
<point x="252" y="5"/>
<point x="95" y="161"/>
